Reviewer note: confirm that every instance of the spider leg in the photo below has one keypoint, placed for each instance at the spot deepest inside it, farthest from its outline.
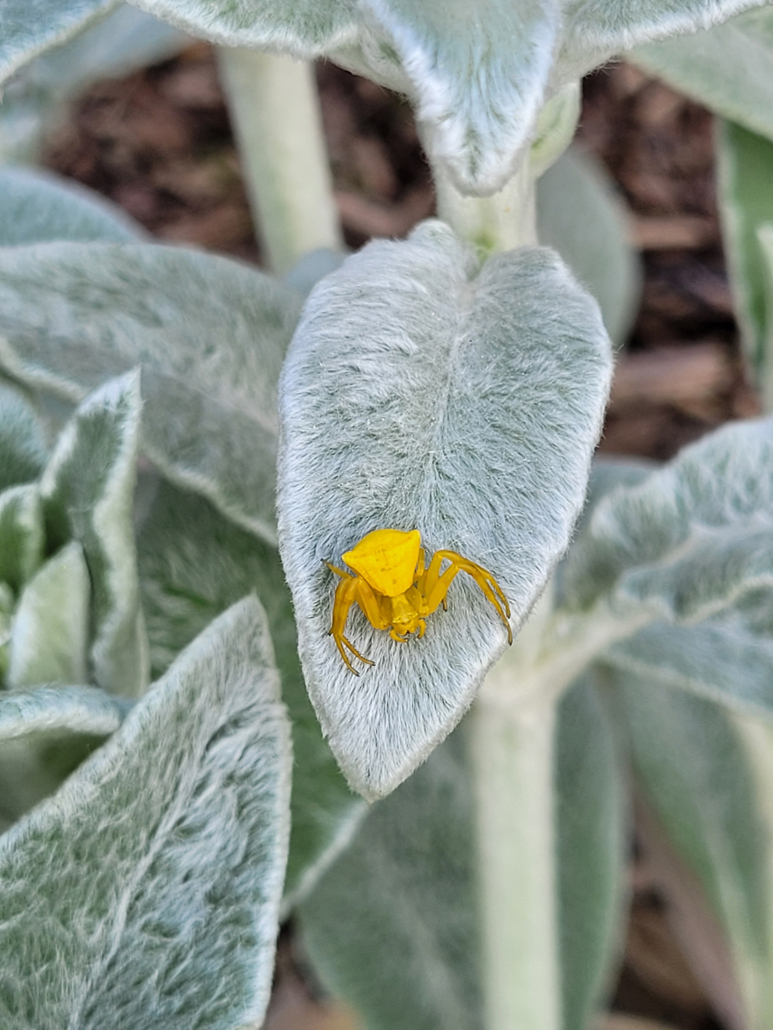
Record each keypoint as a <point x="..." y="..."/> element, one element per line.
<point x="345" y="596"/>
<point x="437" y="584"/>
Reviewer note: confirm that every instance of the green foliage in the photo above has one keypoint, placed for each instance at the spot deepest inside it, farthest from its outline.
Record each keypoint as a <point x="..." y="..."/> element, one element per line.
<point x="146" y="891"/>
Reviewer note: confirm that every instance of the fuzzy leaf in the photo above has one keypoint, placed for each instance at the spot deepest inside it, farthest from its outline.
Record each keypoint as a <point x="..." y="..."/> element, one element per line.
<point x="36" y="207"/>
<point x="30" y="27"/>
<point x="746" y="203"/>
<point x="22" y="444"/>
<point x="728" y="68"/>
<point x="478" y="70"/>
<point x="210" y="335"/>
<point x="596" y="30"/>
<point x="88" y="492"/>
<point x="694" y="774"/>
<point x="44" y="735"/>
<point x="398" y="907"/>
<point x="303" y="27"/>
<point x="50" y="629"/>
<point x="194" y="563"/>
<point x="146" y="892"/>
<point x="693" y="539"/>
<point x="420" y="395"/>
<point x="21" y="535"/>
<point x="580" y="217"/>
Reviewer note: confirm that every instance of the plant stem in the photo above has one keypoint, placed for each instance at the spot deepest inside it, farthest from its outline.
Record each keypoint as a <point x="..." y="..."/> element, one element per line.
<point x="511" y="749"/>
<point x="275" y="111"/>
<point x="503" y="221"/>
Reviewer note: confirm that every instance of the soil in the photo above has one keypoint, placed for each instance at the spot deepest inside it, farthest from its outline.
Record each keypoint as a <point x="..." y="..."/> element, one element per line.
<point x="159" y="144"/>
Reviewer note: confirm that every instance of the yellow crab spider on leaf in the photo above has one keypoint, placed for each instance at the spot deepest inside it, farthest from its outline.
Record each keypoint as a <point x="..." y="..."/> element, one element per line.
<point x="397" y="590"/>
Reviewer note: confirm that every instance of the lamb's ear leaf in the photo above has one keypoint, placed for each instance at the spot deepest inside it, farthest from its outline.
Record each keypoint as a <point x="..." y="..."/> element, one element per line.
<point x="695" y="775"/>
<point x="29" y="29"/>
<point x="306" y="28"/>
<point x="580" y="217"/>
<point x="596" y="31"/>
<point x="88" y="492"/>
<point x="692" y="539"/>
<point x="728" y="68"/>
<point x="419" y="394"/>
<point x="22" y="441"/>
<point x="399" y="905"/>
<point x="44" y="735"/>
<point x="209" y="333"/>
<point x="175" y="830"/>
<point x="50" y="630"/>
<point x="38" y="207"/>
<point x="478" y="78"/>
<point x="194" y="563"/>
<point x="745" y="163"/>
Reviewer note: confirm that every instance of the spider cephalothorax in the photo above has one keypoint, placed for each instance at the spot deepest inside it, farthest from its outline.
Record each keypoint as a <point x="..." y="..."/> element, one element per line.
<point x="397" y="590"/>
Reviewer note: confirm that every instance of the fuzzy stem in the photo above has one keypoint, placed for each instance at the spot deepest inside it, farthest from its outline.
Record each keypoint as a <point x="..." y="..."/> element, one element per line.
<point x="511" y="750"/>
<point x="275" y="111"/>
<point x="503" y="221"/>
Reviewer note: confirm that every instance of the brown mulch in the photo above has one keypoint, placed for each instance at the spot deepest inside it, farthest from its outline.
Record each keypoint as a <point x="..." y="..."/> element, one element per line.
<point x="159" y="144"/>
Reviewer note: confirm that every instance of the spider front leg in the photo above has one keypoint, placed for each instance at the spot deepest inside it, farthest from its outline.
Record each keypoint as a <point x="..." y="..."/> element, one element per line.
<point x="436" y="584"/>
<point x="352" y="589"/>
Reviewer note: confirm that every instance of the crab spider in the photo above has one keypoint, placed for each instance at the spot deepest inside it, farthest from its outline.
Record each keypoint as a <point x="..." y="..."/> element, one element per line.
<point x="396" y="590"/>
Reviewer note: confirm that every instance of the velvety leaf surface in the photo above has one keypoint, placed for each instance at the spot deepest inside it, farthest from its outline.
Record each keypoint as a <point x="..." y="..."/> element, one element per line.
<point x="478" y="70"/>
<point x="692" y="539"/>
<point x="36" y="207"/>
<point x="88" y="493"/>
<point x="146" y="892"/>
<point x="50" y="630"/>
<point x="44" y="735"/>
<point x="728" y="68"/>
<point x="580" y="217"/>
<point x="30" y="27"/>
<point x="22" y="442"/>
<point x="398" y="907"/>
<point x="695" y="775"/>
<point x="596" y="30"/>
<point x="210" y="335"/>
<point x="419" y="394"/>
<point x="745" y="162"/>
<point x="194" y="563"/>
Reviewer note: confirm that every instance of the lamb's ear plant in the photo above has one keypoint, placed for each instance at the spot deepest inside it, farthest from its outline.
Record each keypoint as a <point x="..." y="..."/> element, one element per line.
<point x="452" y="383"/>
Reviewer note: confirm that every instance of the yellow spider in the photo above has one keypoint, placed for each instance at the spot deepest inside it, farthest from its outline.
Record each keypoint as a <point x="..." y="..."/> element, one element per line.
<point x="396" y="591"/>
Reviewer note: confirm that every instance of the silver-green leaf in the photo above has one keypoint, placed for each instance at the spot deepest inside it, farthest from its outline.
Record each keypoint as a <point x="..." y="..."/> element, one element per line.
<point x="30" y="27"/>
<point x="728" y="68"/>
<point x="681" y="567"/>
<point x="209" y="333"/>
<point x="579" y="215"/>
<point x="423" y="393"/>
<point x="146" y="891"/>
<point x="44" y="735"/>
<point x="37" y="207"/>
<point x="21" y="534"/>
<point x="88" y="493"/>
